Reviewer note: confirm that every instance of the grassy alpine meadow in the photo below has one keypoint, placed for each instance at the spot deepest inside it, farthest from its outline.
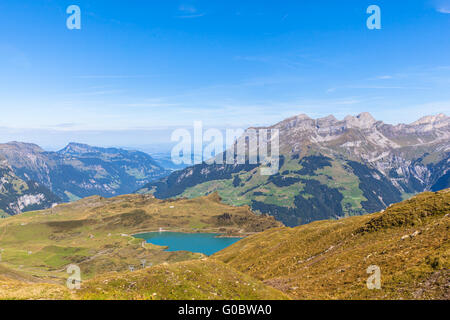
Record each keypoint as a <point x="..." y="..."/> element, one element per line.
<point x="96" y="234"/>
<point x="204" y="279"/>
<point x="408" y="242"/>
<point x="330" y="259"/>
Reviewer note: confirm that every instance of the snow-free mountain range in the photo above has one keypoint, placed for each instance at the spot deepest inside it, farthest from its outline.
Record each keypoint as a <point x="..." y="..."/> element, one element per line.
<point x="32" y="178"/>
<point x="329" y="168"/>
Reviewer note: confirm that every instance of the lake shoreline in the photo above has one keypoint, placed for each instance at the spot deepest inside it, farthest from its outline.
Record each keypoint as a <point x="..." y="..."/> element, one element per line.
<point x="200" y="242"/>
<point x="220" y="234"/>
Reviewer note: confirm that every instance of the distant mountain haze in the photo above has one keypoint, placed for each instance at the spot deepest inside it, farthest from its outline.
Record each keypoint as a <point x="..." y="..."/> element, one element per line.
<point x="80" y="170"/>
<point x="329" y="168"/>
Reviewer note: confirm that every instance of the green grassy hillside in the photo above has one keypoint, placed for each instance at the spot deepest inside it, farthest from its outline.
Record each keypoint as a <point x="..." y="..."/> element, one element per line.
<point x="329" y="259"/>
<point x="95" y="233"/>
<point x="16" y="285"/>
<point x="200" y="279"/>
<point x="312" y="188"/>
<point x="322" y="260"/>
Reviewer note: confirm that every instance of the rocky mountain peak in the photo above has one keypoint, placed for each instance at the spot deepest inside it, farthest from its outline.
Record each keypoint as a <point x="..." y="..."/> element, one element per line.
<point x="363" y="120"/>
<point x="327" y="121"/>
<point x="431" y="119"/>
<point x="77" y="148"/>
<point x="21" y="146"/>
<point x="304" y="123"/>
<point x="302" y="117"/>
<point x="299" y="121"/>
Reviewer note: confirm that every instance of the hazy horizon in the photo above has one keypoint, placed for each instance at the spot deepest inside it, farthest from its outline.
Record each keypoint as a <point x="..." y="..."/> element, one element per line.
<point x="134" y="73"/>
<point x="152" y="145"/>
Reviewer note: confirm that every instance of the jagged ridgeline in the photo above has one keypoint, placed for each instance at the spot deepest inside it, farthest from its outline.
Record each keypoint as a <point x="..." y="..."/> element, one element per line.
<point x="329" y="168"/>
<point x="75" y="172"/>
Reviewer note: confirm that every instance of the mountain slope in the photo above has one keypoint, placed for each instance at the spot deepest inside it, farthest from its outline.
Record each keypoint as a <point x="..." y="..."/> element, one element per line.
<point x="17" y="195"/>
<point x="15" y="285"/>
<point x="322" y="260"/>
<point x="187" y="280"/>
<point x="204" y="279"/>
<point x="329" y="259"/>
<point x="79" y="171"/>
<point x="329" y="168"/>
<point x="95" y="233"/>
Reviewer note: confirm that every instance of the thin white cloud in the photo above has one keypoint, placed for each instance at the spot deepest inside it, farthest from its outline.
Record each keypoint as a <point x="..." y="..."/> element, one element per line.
<point x="192" y="16"/>
<point x="65" y="125"/>
<point x="442" y="6"/>
<point x="189" y="12"/>
<point x="187" y="8"/>
<point x="443" y="10"/>
<point x="386" y="87"/>
<point x="146" y="105"/>
<point x="385" y="77"/>
<point x="97" y="93"/>
<point x="111" y="76"/>
<point x="375" y="87"/>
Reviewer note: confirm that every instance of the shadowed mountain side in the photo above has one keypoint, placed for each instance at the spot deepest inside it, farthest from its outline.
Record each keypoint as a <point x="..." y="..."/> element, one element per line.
<point x="18" y="195"/>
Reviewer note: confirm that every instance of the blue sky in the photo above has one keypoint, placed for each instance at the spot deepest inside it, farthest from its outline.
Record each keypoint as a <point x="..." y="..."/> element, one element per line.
<point x="139" y="69"/>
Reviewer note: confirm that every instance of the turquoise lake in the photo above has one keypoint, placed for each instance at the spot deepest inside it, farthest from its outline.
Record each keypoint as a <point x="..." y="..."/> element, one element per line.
<point x="206" y="243"/>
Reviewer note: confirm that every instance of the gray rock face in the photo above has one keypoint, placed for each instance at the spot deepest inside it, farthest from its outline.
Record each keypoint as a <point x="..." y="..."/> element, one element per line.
<point x="17" y="195"/>
<point x="413" y="156"/>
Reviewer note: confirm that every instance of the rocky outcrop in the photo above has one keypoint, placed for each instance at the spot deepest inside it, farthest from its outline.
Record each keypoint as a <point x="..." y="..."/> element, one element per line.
<point x="412" y="156"/>
<point x="17" y="195"/>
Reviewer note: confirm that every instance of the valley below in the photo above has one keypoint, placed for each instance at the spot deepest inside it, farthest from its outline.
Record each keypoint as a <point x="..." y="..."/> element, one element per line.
<point x="96" y="234"/>
<point x="321" y="260"/>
